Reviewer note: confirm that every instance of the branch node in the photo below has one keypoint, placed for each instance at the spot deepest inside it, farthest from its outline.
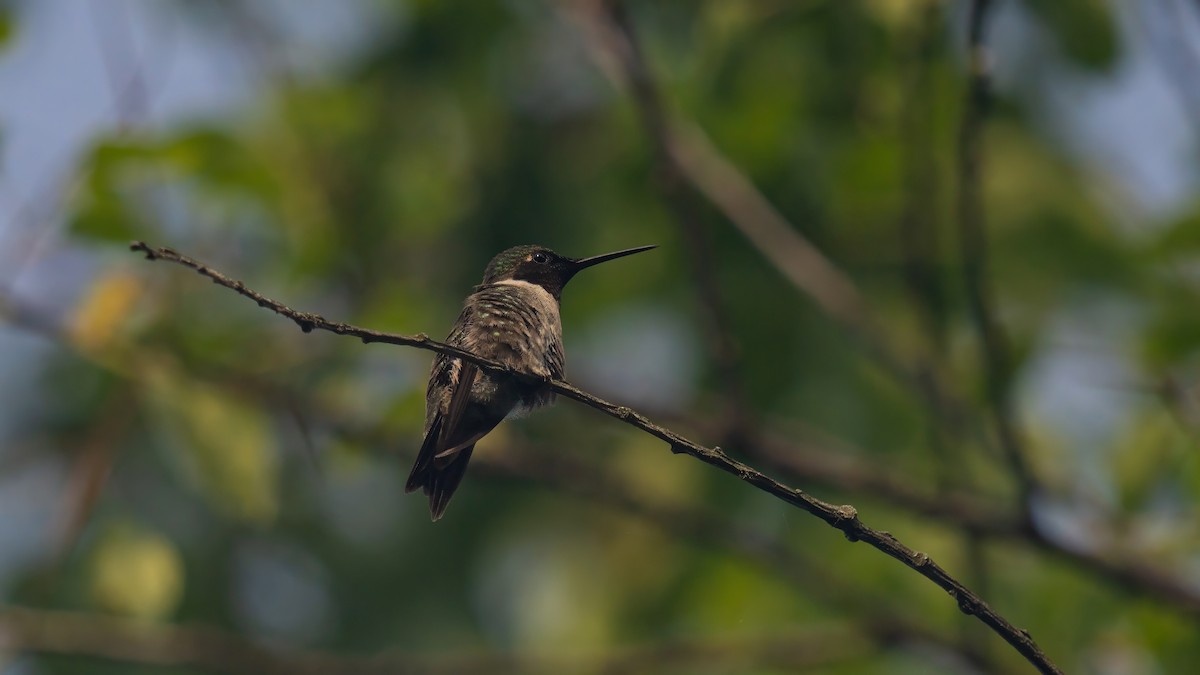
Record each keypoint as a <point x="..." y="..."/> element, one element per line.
<point x="143" y="247"/>
<point x="966" y="605"/>
<point x="306" y="321"/>
<point x="920" y="559"/>
<point x="844" y="518"/>
<point x="847" y="521"/>
<point x="745" y="472"/>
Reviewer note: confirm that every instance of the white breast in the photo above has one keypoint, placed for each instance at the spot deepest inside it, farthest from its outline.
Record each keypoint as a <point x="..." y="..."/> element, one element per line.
<point x="539" y="298"/>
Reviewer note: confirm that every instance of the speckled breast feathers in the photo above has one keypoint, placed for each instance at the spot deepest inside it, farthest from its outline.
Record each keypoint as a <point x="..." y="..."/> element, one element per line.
<point x="513" y="322"/>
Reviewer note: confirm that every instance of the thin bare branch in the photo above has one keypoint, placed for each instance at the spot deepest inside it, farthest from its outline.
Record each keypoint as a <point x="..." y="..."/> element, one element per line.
<point x="720" y="182"/>
<point x="920" y="243"/>
<point x="1166" y="27"/>
<point x="836" y="469"/>
<point x="692" y="156"/>
<point x="803" y="264"/>
<point x="843" y="518"/>
<point x="968" y="512"/>
<point x="882" y="622"/>
<point x="25" y="630"/>
<point x="918" y="224"/>
<point x="887" y="626"/>
<point x="676" y="193"/>
<point x="93" y="462"/>
<point x="994" y="352"/>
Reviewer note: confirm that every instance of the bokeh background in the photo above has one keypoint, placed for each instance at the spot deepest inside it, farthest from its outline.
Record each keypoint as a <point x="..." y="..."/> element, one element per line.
<point x="189" y="484"/>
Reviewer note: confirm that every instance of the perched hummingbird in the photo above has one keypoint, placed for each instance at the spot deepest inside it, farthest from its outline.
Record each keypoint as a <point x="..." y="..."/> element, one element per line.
<point x="512" y="317"/>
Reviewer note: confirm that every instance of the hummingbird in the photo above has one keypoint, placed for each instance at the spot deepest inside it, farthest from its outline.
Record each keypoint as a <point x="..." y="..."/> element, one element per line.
<point x="511" y="317"/>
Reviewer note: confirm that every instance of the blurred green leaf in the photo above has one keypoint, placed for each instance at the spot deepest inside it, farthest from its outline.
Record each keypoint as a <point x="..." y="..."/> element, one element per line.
<point x="102" y="209"/>
<point x="1178" y="239"/>
<point x="104" y="216"/>
<point x="219" y="161"/>
<point x="375" y="184"/>
<point x="121" y="173"/>
<point x="1056" y="248"/>
<point x="7" y="26"/>
<point x="1173" y="334"/>
<point x="1142" y="459"/>
<point x="230" y="449"/>
<point x="1085" y="29"/>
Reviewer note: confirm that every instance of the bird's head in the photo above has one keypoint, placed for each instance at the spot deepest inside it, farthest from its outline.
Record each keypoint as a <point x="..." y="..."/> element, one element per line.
<point x="539" y="265"/>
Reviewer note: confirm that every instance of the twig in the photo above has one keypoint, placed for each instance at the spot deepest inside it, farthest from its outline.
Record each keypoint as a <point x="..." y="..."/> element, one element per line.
<point x="637" y="74"/>
<point x="918" y="222"/>
<point x="806" y="462"/>
<point x="969" y="513"/>
<point x="25" y="630"/>
<point x="715" y="177"/>
<point x="794" y="256"/>
<point x="958" y="508"/>
<point x="693" y="157"/>
<point x="719" y="181"/>
<point x="994" y="353"/>
<point x="36" y="219"/>
<point x="675" y="193"/>
<point x="32" y="319"/>
<point x="886" y="625"/>
<point x="94" y="460"/>
<point x="811" y="272"/>
<point x="882" y="623"/>
<point x="918" y="229"/>
<point x="842" y="518"/>
<point x="122" y="64"/>
<point x="1166" y="29"/>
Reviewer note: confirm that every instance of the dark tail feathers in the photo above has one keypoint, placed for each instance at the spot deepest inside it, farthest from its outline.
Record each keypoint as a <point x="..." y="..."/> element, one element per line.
<point x="439" y="478"/>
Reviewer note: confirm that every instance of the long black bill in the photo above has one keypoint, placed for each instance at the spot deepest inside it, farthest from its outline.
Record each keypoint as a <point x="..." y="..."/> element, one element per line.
<point x="585" y="263"/>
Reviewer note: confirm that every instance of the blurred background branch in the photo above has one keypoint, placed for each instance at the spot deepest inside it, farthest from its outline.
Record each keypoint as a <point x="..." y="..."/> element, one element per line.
<point x="843" y="518"/>
<point x="994" y="356"/>
<point x="705" y="268"/>
<point x="214" y="650"/>
<point x="685" y="151"/>
<point x="180" y="461"/>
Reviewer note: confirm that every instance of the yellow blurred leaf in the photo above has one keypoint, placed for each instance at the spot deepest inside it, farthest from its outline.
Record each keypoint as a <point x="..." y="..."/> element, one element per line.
<point x="231" y="449"/>
<point x="137" y="573"/>
<point x="103" y="311"/>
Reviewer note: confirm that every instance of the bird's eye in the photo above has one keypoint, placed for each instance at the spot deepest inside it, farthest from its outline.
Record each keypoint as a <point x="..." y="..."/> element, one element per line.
<point x="540" y="258"/>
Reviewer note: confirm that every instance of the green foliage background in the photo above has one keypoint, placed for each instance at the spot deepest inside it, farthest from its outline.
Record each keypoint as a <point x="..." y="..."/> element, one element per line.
<point x="257" y="472"/>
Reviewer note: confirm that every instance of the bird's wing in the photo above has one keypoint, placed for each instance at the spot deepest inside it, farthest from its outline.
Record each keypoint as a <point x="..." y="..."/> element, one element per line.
<point x="445" y="452"/>
<point x="448" y="438"/>
<point x="437" y="479"/>
<point x="417" y="477"/>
